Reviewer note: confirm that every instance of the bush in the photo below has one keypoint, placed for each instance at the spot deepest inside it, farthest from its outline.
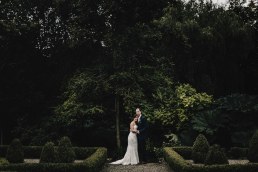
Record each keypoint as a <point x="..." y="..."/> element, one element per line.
<point x="3" y="161"/>
<point x="216" y="156"/>
<point x="253" y="148"/>
<point x="158" y="152"/>
<point x="34" y="152"/>
<point x="175" y="161"/>
<point x="184" y="151"/>
<point x="48" y="153"/>
<point x="65" y="151"/>
<point x="97" y="159"/>
<point x="200" y="149"/>
<point x="82" y="152"/>
<point x="178" y="164"/>
<point x="15" y="153"/>
<point x="93" y="163"/>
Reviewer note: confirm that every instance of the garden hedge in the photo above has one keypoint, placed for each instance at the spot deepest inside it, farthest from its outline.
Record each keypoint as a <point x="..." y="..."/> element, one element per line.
<point x="35" y="151"/>
<point x="178" y="164"/>
<point x="184" y="151"/>
<point x="233" y="153"/>
<point x="93" y="160"/>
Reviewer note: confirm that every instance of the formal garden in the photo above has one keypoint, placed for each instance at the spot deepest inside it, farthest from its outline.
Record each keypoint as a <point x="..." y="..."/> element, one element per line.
<point x="203" y="157"/>
<point x="72" y="74"/>
<point x="63" y="157"/>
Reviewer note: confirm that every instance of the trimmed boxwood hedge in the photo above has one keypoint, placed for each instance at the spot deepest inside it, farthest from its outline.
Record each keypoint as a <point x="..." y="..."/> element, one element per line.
<point x="177" y="163"/>
<point x="35" y="151"/>
<point x="184" y="151"/>
<point x="233" y="153"/>
<point x="96" y="158"/>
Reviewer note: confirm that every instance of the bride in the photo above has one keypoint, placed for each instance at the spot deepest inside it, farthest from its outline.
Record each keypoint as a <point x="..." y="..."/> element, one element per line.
<point x="131" y="155"/>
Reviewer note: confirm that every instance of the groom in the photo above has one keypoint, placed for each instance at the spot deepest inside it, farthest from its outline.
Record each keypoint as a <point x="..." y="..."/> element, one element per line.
<point x="141" y="135"/>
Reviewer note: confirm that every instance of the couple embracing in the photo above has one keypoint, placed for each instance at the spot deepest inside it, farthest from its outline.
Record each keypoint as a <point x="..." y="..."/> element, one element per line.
<point x="136" y="151"/>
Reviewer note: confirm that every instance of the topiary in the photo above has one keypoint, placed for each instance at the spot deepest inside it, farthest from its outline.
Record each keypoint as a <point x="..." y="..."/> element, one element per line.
<point x="48" y="153"/>
<point x="15" y="152"/>
<point x="216" y="156"/>
<point x="65" y="151"/>
<point x="200" y="149"/>
<point x="253" y="148"/>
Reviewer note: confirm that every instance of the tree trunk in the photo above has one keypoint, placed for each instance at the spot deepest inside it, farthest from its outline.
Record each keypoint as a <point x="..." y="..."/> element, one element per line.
<point x="117" y="103"/>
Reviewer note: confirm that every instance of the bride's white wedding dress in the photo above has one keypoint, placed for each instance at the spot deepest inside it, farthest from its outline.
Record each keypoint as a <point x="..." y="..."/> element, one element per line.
<point x="131" y="156"/>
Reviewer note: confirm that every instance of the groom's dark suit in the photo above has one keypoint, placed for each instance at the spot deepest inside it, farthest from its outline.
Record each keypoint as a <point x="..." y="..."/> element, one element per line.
<point x="141" y="137"/>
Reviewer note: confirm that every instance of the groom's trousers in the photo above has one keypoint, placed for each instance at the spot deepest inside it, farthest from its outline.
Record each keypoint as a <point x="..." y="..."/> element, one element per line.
<point x="142" y="149"/>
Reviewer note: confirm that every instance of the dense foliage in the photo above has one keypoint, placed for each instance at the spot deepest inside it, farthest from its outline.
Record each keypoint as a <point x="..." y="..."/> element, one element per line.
<point x="79" y="68"/>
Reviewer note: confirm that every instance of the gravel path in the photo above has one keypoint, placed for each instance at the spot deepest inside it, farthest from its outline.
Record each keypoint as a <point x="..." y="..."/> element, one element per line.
<point x="231" y="161"/>
<point x="37" y="161"/>
<point x="149" y="167"/>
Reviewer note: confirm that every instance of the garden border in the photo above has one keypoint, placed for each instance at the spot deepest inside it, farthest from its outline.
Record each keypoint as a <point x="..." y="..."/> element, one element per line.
<point x="95" y="160"/>
<point x="178" y="163"/>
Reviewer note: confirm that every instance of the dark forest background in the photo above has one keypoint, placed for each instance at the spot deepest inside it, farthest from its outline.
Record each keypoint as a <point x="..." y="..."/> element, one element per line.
<point x="80" y="68"/>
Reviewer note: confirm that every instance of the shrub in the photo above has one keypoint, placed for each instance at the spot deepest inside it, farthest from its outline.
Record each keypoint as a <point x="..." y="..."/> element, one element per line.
<point x="48" y="153"/>
<point x="83" y="152"/>
<point x="97" y="159"/>
<point x="93" y="163"/>
<point x="200" y="149"/>
<point x="253" y="148"/>
<point x="178" y="164"/>
<point x="216" y="156"/>
<point x="184" y="151"/>
<point x="65" y="151"/>
<point x="175" y="161"/>
<point x="15" y="153"/>
<point x="3" y="161"/>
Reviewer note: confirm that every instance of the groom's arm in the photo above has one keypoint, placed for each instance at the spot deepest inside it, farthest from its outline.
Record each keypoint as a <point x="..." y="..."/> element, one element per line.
<point x="145" y="126"/>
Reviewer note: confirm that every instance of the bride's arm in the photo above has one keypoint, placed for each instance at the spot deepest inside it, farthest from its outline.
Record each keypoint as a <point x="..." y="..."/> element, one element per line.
<point x="132" y="127"/>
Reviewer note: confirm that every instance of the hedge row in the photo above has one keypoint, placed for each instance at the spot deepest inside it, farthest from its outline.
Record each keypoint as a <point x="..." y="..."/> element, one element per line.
<point x="184" y="151"/>
<point x="35" y="151"/>
<point x="233" y="153"/>
<point x="177" y="163"/>
<point x="93" y="163"/>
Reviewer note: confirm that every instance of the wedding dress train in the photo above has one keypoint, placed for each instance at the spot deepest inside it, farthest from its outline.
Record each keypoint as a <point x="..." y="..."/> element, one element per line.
<point x="131" y="156"/>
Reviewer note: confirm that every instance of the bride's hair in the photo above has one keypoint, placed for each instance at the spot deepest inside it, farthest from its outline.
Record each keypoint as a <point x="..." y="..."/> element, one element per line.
<point x="135" y="116"/>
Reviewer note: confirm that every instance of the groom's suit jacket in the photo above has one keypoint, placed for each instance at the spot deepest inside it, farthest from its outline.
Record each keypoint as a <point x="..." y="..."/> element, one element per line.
<point x="142" y="127"/>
